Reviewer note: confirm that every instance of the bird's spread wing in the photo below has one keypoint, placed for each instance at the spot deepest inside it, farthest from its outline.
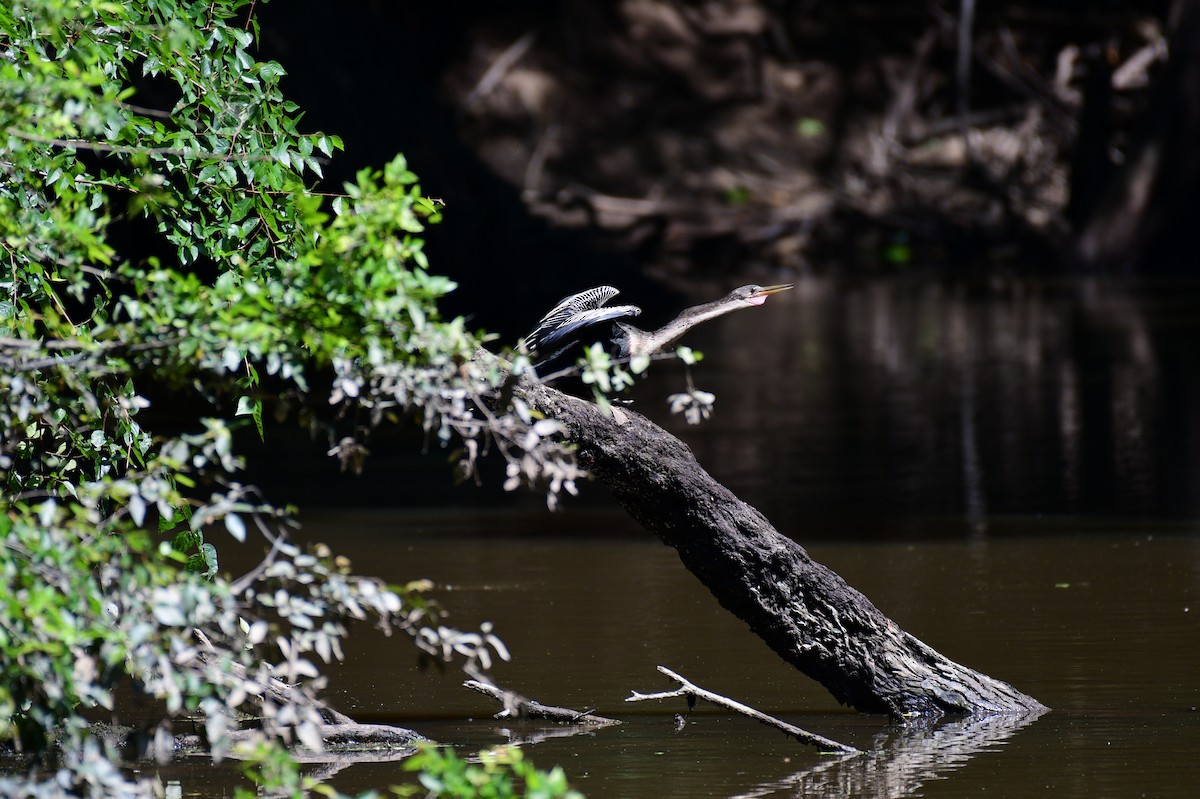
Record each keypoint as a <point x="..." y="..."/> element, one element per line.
<point x="568" y="306"/>
<point x="574" y="313"/>
<point x="584" y="319"/>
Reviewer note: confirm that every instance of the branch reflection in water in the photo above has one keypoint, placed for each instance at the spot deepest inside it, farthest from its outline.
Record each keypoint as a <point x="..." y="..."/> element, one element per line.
<point x="900" y="761"/>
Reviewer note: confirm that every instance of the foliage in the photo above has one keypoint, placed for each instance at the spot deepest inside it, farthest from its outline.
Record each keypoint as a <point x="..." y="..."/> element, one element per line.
<point x="159" y="234"/>
<point x="607" y="375"/>
<point x="694" y="404"/>
<point x="501" y="773"/>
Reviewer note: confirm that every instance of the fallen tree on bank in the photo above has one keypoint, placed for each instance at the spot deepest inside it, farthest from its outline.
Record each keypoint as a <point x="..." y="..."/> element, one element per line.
<point x="804" y="611"/>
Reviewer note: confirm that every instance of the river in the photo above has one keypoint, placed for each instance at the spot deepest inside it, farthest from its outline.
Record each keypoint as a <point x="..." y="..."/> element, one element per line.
<point x="1010" y="471"/>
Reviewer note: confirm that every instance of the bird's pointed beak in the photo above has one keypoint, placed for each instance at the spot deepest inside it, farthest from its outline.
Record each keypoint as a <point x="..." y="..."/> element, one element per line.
<point x="765" y="290"/>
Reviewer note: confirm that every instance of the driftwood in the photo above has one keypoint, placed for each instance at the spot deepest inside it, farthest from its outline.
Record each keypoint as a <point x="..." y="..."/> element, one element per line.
<point x="345" y="740"/>
<point x="346" y="743"/>
<point x="694" y="692"/>
<point x="801" y="609"/>
<point x="517" y="706"/>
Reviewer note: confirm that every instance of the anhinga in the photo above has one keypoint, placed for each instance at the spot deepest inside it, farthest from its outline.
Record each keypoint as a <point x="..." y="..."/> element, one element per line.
<point x="567" y="322"/>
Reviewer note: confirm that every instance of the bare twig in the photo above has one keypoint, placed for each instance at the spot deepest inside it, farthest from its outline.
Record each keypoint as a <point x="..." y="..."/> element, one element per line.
<point x="500" y="67"/>
<point x="1026" y="82"/>
<point x="517" y="706"/>
<point x="575" y="369"/>
<point x="688" y="689"/>
<point x="126" y="149"/>
<point x="1135" y="72"/>
<point x="239" y="586"/>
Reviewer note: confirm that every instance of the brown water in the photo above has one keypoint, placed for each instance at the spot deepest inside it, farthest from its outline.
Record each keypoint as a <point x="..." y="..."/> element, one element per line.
<point x="1013" y="476"/>
<point x="1099" y="621"/>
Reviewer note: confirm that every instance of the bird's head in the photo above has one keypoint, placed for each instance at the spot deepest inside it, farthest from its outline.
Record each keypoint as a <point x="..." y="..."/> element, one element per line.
<point x="756" y="295"/>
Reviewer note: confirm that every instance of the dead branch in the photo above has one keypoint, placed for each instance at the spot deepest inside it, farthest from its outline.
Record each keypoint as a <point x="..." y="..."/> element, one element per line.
<point x="344" y="740"/>
<point x="517" y="706"/>
<point x="1135" y="72"/>
<point x="693" y="692"/>
<point x="350" y="742"/>
<point x="500" y="67"/>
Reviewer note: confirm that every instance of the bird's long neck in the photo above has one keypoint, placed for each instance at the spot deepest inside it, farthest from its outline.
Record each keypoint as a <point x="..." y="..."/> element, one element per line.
<point x="641" y="342"/>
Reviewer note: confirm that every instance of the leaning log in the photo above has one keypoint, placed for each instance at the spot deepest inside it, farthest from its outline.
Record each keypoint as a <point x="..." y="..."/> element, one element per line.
<point x="804" y="611"/>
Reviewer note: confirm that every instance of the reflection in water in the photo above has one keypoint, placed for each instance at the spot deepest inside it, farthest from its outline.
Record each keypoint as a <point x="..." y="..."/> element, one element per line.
<point x="534" y="735"/>
<point x="900" y="761"/>
<point x="893" y="397"/>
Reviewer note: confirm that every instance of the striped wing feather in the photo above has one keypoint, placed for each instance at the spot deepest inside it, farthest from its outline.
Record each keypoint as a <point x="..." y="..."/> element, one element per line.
<point x="574" y="313"/>
<point x="585" y="319"/>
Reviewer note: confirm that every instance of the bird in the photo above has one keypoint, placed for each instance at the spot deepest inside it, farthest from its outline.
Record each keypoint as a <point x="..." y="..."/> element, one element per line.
<point x="560" y="326"/>
<point x="632" y="342"/>
<point x="569" y="321"/>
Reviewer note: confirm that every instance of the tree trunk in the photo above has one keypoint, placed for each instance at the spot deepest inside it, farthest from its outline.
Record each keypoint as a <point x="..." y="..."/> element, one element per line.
<point x="802" y="610"/>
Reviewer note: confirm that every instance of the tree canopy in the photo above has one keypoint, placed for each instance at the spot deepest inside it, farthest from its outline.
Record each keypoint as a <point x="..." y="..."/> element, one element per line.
<point x="162" y="236"/>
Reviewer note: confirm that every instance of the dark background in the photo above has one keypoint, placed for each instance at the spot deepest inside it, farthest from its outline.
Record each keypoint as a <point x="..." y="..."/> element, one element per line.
<point x="693" y="110"/>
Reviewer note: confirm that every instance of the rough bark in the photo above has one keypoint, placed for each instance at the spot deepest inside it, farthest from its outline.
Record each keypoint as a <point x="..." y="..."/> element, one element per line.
<point x="805" y="612"/>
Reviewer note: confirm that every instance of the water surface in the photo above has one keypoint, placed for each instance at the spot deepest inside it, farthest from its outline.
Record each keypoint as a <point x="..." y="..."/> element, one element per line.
<point x="1098" y="623"/>
<point x="1011" y="473"/>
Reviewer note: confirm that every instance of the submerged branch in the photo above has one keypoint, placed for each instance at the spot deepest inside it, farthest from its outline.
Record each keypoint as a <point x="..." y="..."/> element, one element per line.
<point x="694" y="692"/>
<point x="344" y="740"/>
<point x="517" y="706"/>
<point x="347" y="742"/>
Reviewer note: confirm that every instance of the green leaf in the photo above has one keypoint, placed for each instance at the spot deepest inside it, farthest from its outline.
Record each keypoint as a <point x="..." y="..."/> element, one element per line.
<point x="245" y="406"/>
<point x="187" y="540"/>
<point x="204" y="562"/>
